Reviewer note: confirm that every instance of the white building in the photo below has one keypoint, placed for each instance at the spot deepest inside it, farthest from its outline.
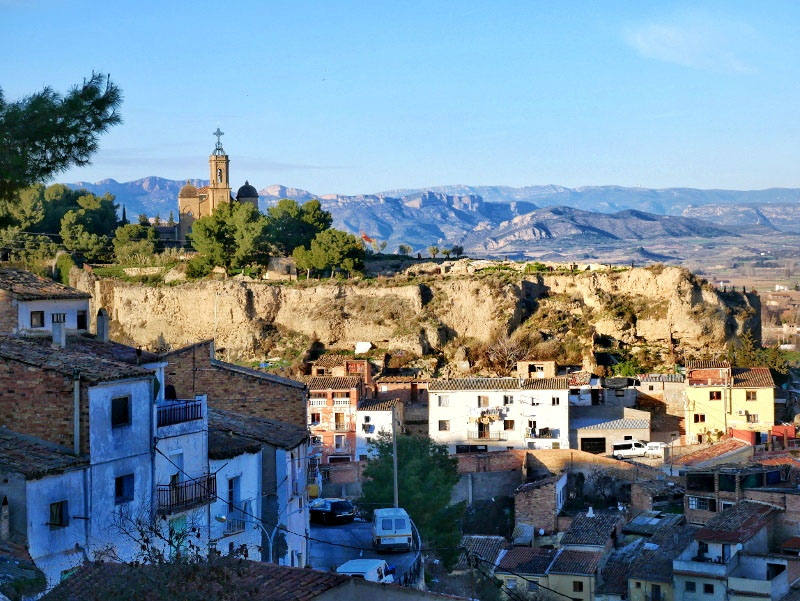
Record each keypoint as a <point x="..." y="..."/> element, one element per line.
<point x="28" y="304"/>
<point x="374" y="417"/>
<point x="470" y="414"/>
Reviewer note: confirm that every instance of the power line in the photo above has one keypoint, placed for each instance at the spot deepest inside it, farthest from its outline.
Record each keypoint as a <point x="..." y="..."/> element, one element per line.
<point x="525" y="578"/>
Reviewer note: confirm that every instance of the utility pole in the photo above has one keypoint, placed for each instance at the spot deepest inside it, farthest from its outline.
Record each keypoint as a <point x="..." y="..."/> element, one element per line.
<point x="394" y="453"/>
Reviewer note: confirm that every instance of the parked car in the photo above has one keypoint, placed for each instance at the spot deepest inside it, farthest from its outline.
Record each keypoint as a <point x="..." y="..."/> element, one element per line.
<point x="374" y="570"/>
<point x="331" y="511"/>
<point x="629" y="448"/>
<point x="655" y="449"/>
<point x="391" y="530"/>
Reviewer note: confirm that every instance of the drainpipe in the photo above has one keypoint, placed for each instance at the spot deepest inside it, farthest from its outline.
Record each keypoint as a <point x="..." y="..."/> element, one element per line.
<point x="76" y="411"/>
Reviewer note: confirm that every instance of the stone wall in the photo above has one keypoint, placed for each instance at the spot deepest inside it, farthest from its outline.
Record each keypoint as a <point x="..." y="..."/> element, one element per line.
<point x="535" y="505"/>
<point x="8" y="314"/>
<point x="483" y="486"/>
<point x="497" y="461"/>
<point x="191" y="372"/>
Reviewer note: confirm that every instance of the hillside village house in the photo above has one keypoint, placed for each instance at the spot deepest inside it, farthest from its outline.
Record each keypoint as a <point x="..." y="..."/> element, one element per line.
<point x="332" y="406"/>
<point x="345" y="366"/>
<point x="30" y="304"/>
<point x="720" y="397"/>
<point x="479" y="414"/>
<point x="374" y="417"/>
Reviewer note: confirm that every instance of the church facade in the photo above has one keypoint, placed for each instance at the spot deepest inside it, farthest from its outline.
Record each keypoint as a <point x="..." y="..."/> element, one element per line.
<point x="194" y="203"/>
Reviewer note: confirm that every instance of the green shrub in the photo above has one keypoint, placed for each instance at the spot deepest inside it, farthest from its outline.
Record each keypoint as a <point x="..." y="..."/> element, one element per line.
<point x="199" y="267"/>
<point x="64" y="263"/>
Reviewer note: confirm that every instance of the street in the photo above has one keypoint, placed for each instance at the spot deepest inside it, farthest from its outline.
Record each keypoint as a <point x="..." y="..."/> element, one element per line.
<point x="357" y="534"/>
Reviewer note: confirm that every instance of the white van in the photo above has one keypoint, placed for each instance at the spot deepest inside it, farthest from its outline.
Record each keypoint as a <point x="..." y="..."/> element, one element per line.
<point x="629" y="448"/>
<point x="391" y="530"/>
<point x="374" y="570"/>
<point x="655" y="449"/>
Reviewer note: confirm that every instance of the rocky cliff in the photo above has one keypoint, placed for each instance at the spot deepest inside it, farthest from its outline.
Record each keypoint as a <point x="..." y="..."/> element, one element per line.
<point x="658" y="308"/>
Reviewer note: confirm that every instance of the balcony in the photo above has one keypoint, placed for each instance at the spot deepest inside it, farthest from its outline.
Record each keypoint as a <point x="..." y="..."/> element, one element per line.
<point x="705" y="566"/>
<point x="479" y="435"/>
<point x="542" y="433"/>
<point x="237" y="517"/>
<point x="495" y="411"/>
<point x="185" y="495"/>
<point x="179" y="412"/>
<point x="344" y="428"/>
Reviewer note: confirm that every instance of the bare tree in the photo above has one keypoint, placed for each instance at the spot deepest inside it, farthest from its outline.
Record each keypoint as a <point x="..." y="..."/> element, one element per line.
<point x="504" y="352"/>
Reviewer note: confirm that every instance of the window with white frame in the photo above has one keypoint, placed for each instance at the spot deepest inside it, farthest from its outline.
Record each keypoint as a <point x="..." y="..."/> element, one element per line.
<point x="444" y="400"/>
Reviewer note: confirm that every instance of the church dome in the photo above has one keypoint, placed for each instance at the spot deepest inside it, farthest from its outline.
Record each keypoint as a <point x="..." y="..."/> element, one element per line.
<point x="188" y="191"/>
<point x="247" y="191"/>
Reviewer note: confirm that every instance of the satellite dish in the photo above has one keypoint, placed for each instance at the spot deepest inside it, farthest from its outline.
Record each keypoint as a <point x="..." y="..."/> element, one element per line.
<point x="541" y="531"/>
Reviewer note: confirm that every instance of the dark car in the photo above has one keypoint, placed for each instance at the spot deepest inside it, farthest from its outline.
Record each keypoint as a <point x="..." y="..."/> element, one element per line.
<point x="332" y="511"/>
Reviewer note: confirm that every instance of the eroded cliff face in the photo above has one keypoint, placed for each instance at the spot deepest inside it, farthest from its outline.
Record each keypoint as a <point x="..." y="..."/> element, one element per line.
<point x="642" y="306"/>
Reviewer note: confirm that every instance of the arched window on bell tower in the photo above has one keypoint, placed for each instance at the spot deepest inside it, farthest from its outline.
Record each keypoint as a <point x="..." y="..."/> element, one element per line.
<point x="219" y="176"/>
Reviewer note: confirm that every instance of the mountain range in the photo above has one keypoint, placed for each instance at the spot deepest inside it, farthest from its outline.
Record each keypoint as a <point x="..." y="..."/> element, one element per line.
<point x="502" y="219"/>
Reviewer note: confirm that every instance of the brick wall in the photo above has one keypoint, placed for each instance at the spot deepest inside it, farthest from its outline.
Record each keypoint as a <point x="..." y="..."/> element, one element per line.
<point x="498" y="461"/>
<point x="641" y="499"/>
<point x="9" y="317"/>
<point x="537" y="507"/>
<point x="554" y="461"/>
<point x="190" y="371"/>
<point x="40" y="403"/>
<point x="402" y="391"/>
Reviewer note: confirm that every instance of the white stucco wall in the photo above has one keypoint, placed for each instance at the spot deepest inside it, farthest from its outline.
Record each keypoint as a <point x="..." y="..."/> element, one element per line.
<point x="534" y="405"/>
<point x="248" y="468"/>
<point x="69" y="306"/>
<point x="291" y="468"/>
<point x="107" y="442"/>
<point x="377" y="422"/>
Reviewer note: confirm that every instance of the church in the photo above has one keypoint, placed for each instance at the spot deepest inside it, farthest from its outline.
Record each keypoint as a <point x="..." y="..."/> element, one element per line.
<point x="194" y="203"/>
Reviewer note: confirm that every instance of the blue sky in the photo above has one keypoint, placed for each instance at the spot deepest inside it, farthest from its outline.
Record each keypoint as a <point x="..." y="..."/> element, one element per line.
<point x="350" y="97"/>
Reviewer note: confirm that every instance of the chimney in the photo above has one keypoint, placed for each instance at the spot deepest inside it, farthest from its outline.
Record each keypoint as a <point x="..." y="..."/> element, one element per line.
<point x="102" y="325"/>
<point x="590" y="513"/>
<point x="211" y="350"/>
<point x="59" y="330"/>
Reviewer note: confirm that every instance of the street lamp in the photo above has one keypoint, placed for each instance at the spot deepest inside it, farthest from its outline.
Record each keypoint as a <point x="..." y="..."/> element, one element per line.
<point x="269" y="534"/>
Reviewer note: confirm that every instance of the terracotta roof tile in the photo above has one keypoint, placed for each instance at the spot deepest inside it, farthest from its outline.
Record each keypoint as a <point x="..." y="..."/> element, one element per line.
<point x="113" y="351"/>
<point x="654" y="562"/>
<point x="707" y="364"/>
<point x="736" y="524"/>
<point x="660" y="378"/>
<point x="331" y="360"/>
<point x="712" y="452"/>
<point x="499" y="384"/>
<point x="484" y="546"/>
<point x="25" y="285"/>
<point x="527" y="560"/>
<point x="537" y="484"/>
<point x="377" y="405"/>
<point x="226" y="444"/>
<point x="270" y="431"/>
<point x="401" y="379"/>
<point x="92" y="368"/>
<point x="752" y="377"/>
<point x="35" y="458"/>
<point x="582" y="563"/>
<point x="595" y="530"/>
<point x="615" y="575"/>
<point x="332" y="382"/>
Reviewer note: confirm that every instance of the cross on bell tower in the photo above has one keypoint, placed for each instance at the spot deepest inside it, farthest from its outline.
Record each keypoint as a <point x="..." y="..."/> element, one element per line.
<point x="219" y="186"/>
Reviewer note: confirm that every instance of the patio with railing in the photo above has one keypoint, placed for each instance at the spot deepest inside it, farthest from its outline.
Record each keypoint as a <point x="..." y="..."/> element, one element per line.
<point x="484" y="435"/>
<point x="179" y="411"/>
<point x="187" y="494"/>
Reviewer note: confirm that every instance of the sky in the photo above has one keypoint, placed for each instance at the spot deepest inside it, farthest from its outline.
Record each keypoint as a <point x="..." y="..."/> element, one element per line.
<point x="358" y="97"/>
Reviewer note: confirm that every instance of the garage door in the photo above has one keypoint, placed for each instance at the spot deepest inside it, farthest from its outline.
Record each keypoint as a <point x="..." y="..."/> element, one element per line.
<point x="594" y="445"/>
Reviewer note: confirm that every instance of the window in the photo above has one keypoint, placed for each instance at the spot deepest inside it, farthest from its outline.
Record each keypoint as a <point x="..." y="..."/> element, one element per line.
<point x="508" y="424"/>
<point x="339" y="441"/>
<point x="511" y="584"/>
<point x="59" y="517"/>
<point x="120" y="411"/>
<point x="384" y="388"/>
<point x="708" y="588"/>
<point x="400" y="524"/>
<point x="444" y="425"/>
<point x="386" y="524"/>
<point x="650" y="387"/>
<point x="556" y="401"/>
<point x="82" y="321"/>
<point x="483" y="401"/>
<point x="508" y="400"/>
<point x="690" y="586"/>
<point x="699" y="418"/>
<point x="315" y="418"/>
<point x="752" y="418"/>
<point x="123" y="489"/>
<point x="638" y="584"/>
<point x="750" y="395"/>
<point x="37" y="319"/>
<point x="577" y="586"/>
<point x="702" y="503"/>
<point x="715" y="395"/>
<point x="444" y="400"/>
<point x="619" y="393"/>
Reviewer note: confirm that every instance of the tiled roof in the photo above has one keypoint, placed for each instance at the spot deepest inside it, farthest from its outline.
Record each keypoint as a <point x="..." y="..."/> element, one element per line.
<point x="782" y="459"/>
<point x="25" y="285"/>
<point x="659" y="487"/>
<point x="242" y="580"/>
<point x="256" y="373"/>
<point x="654" y="562"/>
<point x="537" y="484"/>
<point x="91" y="367"/>
<point x="792" y="543"/>
<point x="377" y="405"/>
<point x="332" y="382"/>
<point x="594" y="530"/>
<point x="712" y="452"/>
<point x="582" y="563"/>
<point x="660" y="378"/>
<point x="627" y="423"/>
<point x="203" y="190"/>
<point x="580" y="378"/>
<point x="707" y="364"/>
<point x="752" y="377"/>
<point x="331" y="360"/>
<point x="484" y="546"/>
<point x="113" y="351"/>
<point x="401" y="379"/>
<point x="736" y="524"/>
<point x="35" y="458"/>
<point x="499" y="384"/>
<point x="648" y="523"/>
<point x="527" y="560"/>
<point x="226" y="444"/>
<point x="270" y="431"/>
<point x="615" y="575"/>
<point x="616" y="383"/>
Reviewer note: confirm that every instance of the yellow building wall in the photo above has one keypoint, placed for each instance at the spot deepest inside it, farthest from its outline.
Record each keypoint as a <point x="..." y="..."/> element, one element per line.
<point x="645" y="590"/>
<point x="563" y="583"/>
<point x="700" y="403"/>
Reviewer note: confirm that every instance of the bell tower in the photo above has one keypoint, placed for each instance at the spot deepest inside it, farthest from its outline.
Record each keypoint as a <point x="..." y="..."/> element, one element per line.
<point x="219" y="189"/>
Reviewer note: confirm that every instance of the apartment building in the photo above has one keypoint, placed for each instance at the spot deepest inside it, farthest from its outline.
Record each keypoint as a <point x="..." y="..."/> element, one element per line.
<point x="373" y="418"/>
<point x="332" y="406"/>
<point x="720" y="397"/>
<point x="479" y="414"/>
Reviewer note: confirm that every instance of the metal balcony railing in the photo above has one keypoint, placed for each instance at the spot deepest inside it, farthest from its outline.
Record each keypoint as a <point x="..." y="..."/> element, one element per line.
<point x="543" y="433"/>
<point x="178" y="412"/>
<point x="184" y="495"/>
<point x="344" y="427"/>
<point x="479" y="435"/>
<point x="237" y="517"/>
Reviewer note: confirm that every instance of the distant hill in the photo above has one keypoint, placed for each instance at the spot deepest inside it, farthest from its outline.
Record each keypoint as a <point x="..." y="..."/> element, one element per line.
<point x="503" y="217"/>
